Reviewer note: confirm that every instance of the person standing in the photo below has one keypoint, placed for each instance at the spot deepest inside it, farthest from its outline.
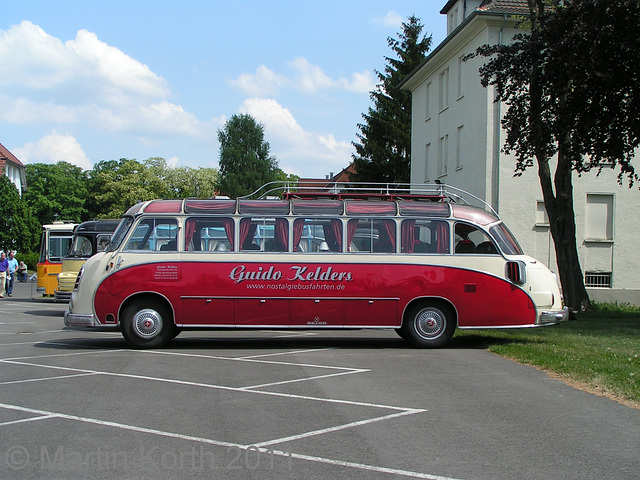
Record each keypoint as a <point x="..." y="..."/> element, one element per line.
<point x="11" y="273"/>
<point x="4" y="267"/>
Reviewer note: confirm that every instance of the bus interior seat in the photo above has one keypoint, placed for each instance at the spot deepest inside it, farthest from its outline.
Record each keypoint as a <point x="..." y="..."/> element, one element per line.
<point x="487" y="247"/>
<point x="170" y="246"/>
<point x="465" y="246"/>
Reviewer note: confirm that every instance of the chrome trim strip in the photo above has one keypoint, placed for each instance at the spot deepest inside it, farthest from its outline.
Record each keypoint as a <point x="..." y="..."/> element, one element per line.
<point x="263" y="297"/>
<point x="286" y="327"/>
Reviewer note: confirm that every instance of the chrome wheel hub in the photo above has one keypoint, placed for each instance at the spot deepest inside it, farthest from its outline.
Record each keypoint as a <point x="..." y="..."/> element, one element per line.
<point x="147" y="323"/>
<point x="430" y="323"/>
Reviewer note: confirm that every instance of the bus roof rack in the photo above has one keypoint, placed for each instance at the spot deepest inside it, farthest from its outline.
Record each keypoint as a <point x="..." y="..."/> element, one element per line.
<point x="436" y="192"/>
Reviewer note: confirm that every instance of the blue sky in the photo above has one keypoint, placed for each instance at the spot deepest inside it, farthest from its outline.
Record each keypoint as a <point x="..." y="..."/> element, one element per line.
<point x="90" y="81"/>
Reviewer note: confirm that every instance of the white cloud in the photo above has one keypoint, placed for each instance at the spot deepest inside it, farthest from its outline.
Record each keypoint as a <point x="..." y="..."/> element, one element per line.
<point x="305" y="77"/>
<point x="54" y="148"/>
<point x="114" y="67"/>
<point x="391" y="19"/>
<point x="363" y="82"/>
<point x="25" y="111"/>
<point x="92" y="83"/>
<point x="32" y="59"/>
<point x="264" y="82"/>
<point x="162" y="118"/>
<point x="298" y="151"/>
<point x="310" y="78"/>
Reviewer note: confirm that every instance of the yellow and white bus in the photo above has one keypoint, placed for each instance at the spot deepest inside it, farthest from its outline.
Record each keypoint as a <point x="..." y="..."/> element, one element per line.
<point x="54" y="244"/>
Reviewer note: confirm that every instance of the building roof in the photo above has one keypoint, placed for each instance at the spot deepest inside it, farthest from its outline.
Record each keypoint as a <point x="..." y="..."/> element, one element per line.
<point x="487" y="8"/>
<point x="322" y="183"/>
<point x="505" y="6"/>
<point x="495" y="6"/>
<point x="6" y="155"/>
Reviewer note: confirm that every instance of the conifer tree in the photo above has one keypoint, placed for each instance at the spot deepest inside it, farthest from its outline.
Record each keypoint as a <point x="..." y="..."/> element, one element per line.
<point x="384" y="151"/>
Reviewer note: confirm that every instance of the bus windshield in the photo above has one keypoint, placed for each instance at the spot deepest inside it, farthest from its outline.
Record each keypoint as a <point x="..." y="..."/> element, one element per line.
<point x="119" y="234"/>
<point x="56" y="247"/>
<point x="80" y="247"/>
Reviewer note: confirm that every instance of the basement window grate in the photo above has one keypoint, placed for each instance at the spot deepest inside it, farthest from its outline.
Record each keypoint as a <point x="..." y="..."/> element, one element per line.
<point x="597" y="279"/>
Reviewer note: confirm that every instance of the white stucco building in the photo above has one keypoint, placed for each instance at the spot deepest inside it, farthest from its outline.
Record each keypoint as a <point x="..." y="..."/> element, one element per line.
<point x="12" y="168"/>
<point x="457" y="138"/>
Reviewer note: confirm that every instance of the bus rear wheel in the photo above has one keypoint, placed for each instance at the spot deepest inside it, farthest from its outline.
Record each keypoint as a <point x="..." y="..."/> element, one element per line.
<point x="429" y="324"/>
<point x="147" y="325"/>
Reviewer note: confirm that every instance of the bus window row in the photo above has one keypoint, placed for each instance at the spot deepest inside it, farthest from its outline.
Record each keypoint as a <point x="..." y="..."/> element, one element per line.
<point x="322" y="235"/>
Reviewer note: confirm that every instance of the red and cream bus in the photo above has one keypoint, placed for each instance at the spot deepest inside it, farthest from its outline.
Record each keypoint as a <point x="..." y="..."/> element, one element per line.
<point x="422" y="260"/>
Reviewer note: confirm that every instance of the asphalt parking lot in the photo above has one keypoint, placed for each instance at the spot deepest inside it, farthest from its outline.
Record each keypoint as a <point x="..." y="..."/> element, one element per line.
<point x="289" y="405"/>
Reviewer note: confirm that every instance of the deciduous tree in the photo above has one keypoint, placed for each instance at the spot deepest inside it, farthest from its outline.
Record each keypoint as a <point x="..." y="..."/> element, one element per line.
<point x="56" y="191"/>
<point x="245" y="161"/>
<point x="19" y="230"/>
<point x="571" y="86"/>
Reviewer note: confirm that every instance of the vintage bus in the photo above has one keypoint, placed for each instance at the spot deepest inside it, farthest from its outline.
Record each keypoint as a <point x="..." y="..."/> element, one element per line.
<point x="54" y="244"/>
<point x="88" y="238"/>
<point x="422" y="260"/>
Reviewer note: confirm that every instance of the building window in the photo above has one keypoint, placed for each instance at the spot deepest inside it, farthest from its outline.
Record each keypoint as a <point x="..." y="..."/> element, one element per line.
<point x="443" y="154"/>
<point x="427" y="108"/>
<point x="542" y="218"/>
<point x="426" y="162"/>
<point x="459" y="148"/>
<point x="444" y="89"/>
<point x="599" y="217"/>
<point x="452" y="20"/>
<point x="597" y="279"/>
<point x="460" y="64"/>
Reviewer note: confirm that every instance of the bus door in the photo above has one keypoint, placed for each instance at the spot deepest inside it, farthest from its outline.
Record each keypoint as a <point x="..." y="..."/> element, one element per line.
<point x="208" y="248"/>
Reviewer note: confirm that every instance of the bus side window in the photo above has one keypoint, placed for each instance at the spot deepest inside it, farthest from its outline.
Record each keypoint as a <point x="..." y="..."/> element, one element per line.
<point x="424" y="236"/>
<point x="472" y="240"/>
<point x="264" y="234"/>
<point x="322" y="235"/>
<point x="204" y="234"/>
<point x="371" y="235"/>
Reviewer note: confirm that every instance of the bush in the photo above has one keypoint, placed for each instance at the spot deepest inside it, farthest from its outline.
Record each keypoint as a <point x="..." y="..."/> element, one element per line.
<point x="30" y="259"/>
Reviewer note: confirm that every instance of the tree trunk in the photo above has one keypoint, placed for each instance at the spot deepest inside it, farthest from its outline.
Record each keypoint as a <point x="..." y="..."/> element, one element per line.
<point x="559" y="205"/>
<point x="563" y="231"/>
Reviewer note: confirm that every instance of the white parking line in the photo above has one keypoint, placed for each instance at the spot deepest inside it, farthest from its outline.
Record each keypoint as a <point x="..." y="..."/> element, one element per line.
<point x="328" y="461"/>
<point x="262" y="446"/>
<point x="12" y="382"/>
<point x="95" y="351"/>
<point x="305" y="379"/>
<point x="213" y="386"/>
<point x="243" y="359"/>
<point x="322" y="431"/>
<point x="25" y="420"/>
<point x="293" y="352"/>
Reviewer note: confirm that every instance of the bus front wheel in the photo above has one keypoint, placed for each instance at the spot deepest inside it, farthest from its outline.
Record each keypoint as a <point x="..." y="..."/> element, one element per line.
<point x="147" y="325"/>
<point x="429" y="324"/>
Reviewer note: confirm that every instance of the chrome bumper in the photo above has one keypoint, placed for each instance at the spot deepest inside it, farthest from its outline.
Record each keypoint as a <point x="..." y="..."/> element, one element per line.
<point x="61" y="296"/>
<point x="554" y="316"/>
<point x="79" y="320"/>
